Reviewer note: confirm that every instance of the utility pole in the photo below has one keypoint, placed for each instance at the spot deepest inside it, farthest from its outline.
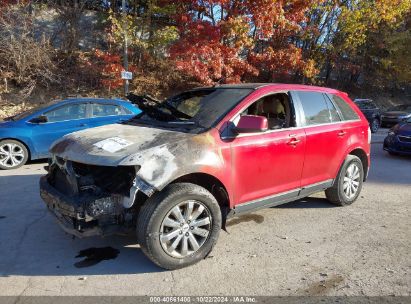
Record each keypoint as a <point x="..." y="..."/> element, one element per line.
<point x="125" y="55"/>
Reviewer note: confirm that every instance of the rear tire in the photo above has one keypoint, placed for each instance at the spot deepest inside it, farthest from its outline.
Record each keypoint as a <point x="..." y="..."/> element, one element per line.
<point x="13" y="154"/>
<point x="348" y="184"/>
<point x="179" y="226"/>
<point x="375" y="125"/>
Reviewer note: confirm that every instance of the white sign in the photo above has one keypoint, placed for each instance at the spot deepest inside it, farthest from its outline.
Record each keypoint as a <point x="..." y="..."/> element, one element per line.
<point x="126" y="75"/>
<point x="113" y="144"/>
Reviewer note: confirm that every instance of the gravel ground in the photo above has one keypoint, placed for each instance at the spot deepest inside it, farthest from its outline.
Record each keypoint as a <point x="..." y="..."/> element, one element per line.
<point x="307" y="247"/>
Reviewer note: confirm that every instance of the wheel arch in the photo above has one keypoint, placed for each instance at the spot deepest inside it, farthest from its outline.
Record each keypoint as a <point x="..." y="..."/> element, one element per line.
<point x="209" y="182"/>
<point x="360" y="153"/>
<point x="22" y="142"/>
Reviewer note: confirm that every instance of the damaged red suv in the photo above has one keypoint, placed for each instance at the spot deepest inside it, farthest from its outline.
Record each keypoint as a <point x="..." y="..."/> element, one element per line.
<point x="176" y="172"/>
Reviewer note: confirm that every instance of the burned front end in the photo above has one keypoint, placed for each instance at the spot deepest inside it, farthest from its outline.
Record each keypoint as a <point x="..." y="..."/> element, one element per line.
<point x="92" y="200"/>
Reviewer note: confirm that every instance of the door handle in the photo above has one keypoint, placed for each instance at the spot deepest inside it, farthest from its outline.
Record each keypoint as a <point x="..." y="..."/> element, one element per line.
<point x="82" y="125"/>
<point x="341" y="133"/>
<point x="294" y="142"/>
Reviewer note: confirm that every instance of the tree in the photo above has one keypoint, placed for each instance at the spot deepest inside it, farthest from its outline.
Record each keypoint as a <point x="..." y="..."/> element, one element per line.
<point x="25" y="62"/>
<point x="232" y="41"/>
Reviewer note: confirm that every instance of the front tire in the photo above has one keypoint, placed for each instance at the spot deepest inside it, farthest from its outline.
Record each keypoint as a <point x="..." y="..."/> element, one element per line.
<point x="13" y="154"/>
<point x="348" y="184"/>
<point x="179" y="226"/>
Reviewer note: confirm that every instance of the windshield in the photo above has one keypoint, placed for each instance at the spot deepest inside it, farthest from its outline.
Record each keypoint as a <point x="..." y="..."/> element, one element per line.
<point x="404" y="108"/>
<point x="197" y="109"/>
<point x="365" y="104"/>
<point x="27" y="113"/>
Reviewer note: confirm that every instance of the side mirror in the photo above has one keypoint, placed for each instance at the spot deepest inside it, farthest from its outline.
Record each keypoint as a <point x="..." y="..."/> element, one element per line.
<point x="40" y="119"/>
<point x="251" y="124"/>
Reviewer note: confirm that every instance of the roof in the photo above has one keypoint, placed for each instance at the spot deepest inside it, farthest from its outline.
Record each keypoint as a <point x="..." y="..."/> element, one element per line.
<point x="283" y="86"/>
<point x="92" y="99"/>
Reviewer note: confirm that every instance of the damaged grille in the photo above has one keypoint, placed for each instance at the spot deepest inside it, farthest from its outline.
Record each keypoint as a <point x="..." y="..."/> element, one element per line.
<point x="100" y="179"/>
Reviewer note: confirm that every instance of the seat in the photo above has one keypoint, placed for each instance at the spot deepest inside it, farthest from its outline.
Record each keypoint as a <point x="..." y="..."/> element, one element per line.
<point x="274" y="111"/>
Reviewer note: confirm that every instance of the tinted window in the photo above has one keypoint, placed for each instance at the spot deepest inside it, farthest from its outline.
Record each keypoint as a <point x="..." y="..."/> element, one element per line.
<point x="67" y="112"/>
<point x="315" y="108"/>
<point x="100" y="110"/>
<point x="346" y="111"/>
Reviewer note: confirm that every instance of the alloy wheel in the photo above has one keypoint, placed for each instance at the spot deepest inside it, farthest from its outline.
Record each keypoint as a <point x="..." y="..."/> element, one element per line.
<point x="11" y="155"/>
<point x="185" y="228"/>
<point x="351" y="181"/>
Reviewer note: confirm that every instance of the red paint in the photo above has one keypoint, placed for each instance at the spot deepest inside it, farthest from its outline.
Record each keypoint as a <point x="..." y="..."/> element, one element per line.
<point x="261" y="164"/>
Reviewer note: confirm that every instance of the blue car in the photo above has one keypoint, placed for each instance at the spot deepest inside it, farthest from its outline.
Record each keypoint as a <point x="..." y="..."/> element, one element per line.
<point x="398" y="140"/>
<point x="30" y="134"/>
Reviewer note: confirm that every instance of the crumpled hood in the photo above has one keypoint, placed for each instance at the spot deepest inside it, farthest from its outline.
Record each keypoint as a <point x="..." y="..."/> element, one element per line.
<point x="116" y="144"/>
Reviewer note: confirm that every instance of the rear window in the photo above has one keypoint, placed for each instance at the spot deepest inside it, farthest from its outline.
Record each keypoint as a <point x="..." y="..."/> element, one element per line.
<point x="346" y="111"/>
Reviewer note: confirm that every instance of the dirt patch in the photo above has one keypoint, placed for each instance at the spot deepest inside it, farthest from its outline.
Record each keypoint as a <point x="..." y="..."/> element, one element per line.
<point x="256" y="218"/>
<point x="322" y="287"/>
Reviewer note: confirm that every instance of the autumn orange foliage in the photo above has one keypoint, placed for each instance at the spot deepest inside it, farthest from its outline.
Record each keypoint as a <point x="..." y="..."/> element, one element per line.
<point x="230" y="41"/>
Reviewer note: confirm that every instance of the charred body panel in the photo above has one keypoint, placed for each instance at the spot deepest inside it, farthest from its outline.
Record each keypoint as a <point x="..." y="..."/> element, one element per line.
<point x="92" y="188"/>
<point x="161" y="154"/>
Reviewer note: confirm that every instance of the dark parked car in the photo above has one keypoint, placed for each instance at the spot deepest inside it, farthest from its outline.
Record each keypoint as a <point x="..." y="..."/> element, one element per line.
<point x="395" y="115"/>
<point x="371" y="112"/>
<point x="28" y="135"/>
<point x="398" y="140"/>
<point x="177" y="171"/>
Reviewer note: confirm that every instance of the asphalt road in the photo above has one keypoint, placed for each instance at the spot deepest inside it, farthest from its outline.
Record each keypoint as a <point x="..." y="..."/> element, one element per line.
<point x="307" y="247"/>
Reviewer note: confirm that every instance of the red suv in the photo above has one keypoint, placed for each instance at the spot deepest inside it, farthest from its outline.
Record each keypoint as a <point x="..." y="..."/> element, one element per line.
<point x="176" y="172"/>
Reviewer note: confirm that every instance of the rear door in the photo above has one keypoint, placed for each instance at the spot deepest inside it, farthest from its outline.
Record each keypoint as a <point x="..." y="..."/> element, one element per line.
<point x="327" y="137"/>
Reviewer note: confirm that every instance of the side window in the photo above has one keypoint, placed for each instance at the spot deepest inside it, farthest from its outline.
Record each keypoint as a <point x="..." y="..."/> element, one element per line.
<point x="333" y="111"/>
<point x="101" y="110"/>
<point x="125" y="111"/>
<point x="67" y="112"/>
<point x="315" y="108"/>
<point x="346" y="111"/>
<point x="276" y="108"/>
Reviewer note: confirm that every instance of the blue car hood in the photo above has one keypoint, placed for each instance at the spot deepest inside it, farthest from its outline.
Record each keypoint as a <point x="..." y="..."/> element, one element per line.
<point x="404" y="129"/>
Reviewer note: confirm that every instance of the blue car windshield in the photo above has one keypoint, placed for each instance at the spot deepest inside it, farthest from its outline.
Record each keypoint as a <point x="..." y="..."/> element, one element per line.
<point x="29" y="112"/>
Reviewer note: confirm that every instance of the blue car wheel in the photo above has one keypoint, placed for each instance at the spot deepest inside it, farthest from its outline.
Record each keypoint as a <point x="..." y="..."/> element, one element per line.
<point x="13" y="154"/>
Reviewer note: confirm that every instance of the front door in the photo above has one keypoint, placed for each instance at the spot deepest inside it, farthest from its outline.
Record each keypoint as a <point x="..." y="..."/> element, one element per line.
<point x="268" y="163"/>
<point x="60" y="121"/>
